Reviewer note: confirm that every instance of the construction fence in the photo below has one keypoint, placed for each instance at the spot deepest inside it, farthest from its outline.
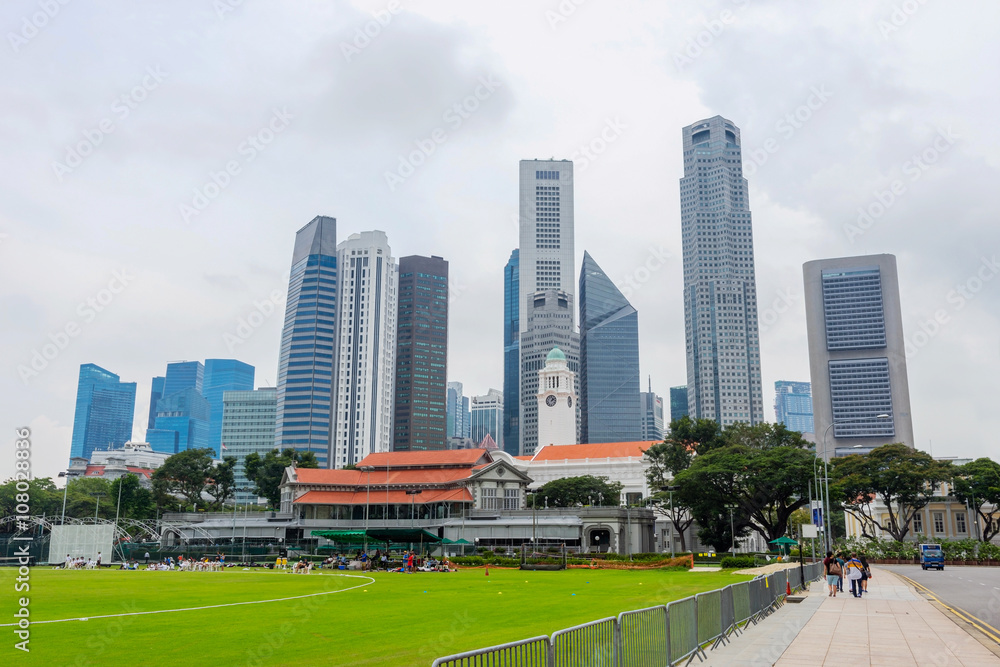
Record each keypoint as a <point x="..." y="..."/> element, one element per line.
<point x="659" y="636"/>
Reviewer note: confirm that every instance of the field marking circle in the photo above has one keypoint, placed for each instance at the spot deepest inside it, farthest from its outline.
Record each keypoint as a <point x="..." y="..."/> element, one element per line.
<point x="368" y="580"/>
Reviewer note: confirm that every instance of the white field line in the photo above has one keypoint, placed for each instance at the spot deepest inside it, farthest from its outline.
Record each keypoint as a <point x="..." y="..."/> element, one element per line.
<point x="211" y="606"/>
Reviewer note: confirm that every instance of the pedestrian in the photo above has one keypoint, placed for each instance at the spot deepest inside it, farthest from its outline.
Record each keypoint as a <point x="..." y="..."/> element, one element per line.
<point x="866" y="573"/>
<point x="854" y="569"/>
<point x="842" y="561"/>
<point x="833" y="572"/>
<point x="98" y="560"/>
<point x="147" y="559"/>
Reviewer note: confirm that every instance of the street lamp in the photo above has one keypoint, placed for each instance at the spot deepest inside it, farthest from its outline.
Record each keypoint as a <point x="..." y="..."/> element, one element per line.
<point x="65" y="489"/>
<point x="413" y="493"/>
<point x="368" y="499"/>
<point x="732" y="528"/>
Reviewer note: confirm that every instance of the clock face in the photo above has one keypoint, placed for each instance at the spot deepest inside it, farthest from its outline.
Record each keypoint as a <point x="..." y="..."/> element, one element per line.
<point x="569" y="401"/>
<point x="550" y="401"/>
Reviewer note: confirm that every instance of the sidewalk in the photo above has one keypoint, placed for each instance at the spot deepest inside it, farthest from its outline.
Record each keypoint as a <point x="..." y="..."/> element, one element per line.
<point x="890" y="626"/>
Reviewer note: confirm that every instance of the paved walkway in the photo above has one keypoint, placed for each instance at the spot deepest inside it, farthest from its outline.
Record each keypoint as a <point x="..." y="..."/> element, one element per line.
<point x="891" y="626"/>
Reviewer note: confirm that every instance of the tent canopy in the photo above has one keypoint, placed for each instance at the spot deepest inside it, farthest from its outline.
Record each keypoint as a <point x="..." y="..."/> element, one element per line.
<point x="783" y="540"/>
<point x="378" y="535"/>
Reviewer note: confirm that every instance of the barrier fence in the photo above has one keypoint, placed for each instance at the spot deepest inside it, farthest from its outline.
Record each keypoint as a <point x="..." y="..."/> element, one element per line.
<point x="651" y="637"/>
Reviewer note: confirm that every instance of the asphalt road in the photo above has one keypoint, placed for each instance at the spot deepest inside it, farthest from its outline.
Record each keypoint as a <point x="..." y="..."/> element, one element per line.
<point x="973" y="590"/>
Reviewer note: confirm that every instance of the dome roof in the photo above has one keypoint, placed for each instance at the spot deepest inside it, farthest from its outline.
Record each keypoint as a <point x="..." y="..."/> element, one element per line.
<point x="555" y="355"/>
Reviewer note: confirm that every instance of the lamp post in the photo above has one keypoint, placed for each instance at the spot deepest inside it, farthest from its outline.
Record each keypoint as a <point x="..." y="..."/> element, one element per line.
<point x="368" y="499"/>
<point x="65" y="489"/>
<point x="826" y="473"/>
<point x="732" y="528"/>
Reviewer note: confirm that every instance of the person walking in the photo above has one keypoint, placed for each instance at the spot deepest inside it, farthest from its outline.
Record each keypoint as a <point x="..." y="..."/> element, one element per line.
<point x="866" y="572"/>
<point x="842" y="561"/>
<point x="854" y="569"/>
<point x="833" y="572"/>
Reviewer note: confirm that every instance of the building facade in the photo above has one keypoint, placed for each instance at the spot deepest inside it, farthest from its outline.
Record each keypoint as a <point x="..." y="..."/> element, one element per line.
<point x="511" y="354"/>
<point x="155" y="394"/>
<point x="105" y="407"/>
<point x="182" y="420"/>
<point x="556" y="398"/>
<point x="486" y="417"/>
<point x="306" y="365"/>
<point x="222" y="375"/>
<point x="610" y="409"/>
<point x="546" y="257"/>
<point x="652" y="415"/>
<point x="367" y="347"/>
<point x="678" y="402"/>
<point x="455" y="410"/>
<point x="248" y="422"/>
<point x="420" y="417"/>
<point x="720" y="290"/>
<point x="793" y="405"/>
<point x="857" y="360"/>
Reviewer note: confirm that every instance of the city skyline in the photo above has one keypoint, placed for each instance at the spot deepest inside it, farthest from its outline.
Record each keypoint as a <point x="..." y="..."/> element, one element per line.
<point x="838" y="169"/>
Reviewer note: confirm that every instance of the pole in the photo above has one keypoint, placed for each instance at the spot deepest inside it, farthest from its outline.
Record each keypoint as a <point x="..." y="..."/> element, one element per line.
<point x="246" y="512"/>
<point x="62" y="522"/>
<point x="368" y="500"/>
<point x="671" y="523"/>
<point x="732" y="530"/>
<point x="121" y="482"/>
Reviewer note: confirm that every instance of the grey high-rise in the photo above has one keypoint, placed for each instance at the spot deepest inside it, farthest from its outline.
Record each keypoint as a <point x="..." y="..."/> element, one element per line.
<point x="857" y="361"/>
<point x="306" y="363"/>
<point x="720" y="290"/>
<point x="546" y="311"/>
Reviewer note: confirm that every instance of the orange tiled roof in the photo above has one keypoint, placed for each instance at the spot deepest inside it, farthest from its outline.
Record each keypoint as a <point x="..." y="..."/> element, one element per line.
<point x="614" y="450"/>
<point x="441" y="457"/>
<point x="394" y="497"/>
<point x="382" y="477"/>
<point x="98" y="471"/>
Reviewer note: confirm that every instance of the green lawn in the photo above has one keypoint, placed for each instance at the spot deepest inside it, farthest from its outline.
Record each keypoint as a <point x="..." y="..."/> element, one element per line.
<point x="400" y="619"/>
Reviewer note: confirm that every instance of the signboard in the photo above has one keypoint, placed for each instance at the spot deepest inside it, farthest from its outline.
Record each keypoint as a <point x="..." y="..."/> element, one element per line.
<point x="809" y="530"/>
<point x="817" y="513"/>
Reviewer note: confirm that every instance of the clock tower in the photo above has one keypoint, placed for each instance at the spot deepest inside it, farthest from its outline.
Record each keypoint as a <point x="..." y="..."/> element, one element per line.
<point x="556" y="402"/>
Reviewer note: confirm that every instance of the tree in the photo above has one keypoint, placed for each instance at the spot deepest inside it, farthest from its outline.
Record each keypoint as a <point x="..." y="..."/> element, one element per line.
<point x="136" y="501"/>
<point x="978" y="484"/>
<point x="185" y="474"/>
<point x="762" y="471"/>
<point x="571" y="491"/>
<point x="222" y="484"/>
<point x="266" y="471"/>
<point x="42" y="497"/>
<point x="903" y="479"/>
<point x="87" y="495"/>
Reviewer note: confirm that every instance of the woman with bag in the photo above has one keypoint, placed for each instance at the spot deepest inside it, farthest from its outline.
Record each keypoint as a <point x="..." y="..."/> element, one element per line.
<point x="866" y="573"/>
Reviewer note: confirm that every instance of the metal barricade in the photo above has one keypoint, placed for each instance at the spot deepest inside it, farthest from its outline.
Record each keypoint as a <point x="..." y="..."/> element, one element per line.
<point x="532" y="652"/>
<point x="742" y="610"/>
<point x="728" y="612"/>
<point x="795" y="577"/>
<point x="593" y="644"/>
<point x="645" y="637"/>
<point x="709" y="617"/>
<point x="780" y="584"/>
<point x="755" y="588"/>
<point x="682" y="616"/>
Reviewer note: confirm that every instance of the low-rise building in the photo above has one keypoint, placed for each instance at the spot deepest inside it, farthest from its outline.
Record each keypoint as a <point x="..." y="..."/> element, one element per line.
<point x="137" y="458"/>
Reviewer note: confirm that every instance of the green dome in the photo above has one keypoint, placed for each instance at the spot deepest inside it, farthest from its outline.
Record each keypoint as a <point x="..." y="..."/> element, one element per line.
<point x="555" y="355"/>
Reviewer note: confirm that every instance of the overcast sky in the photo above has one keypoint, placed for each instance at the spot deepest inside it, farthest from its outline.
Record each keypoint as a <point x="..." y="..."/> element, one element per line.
<point x="158" y="158"/>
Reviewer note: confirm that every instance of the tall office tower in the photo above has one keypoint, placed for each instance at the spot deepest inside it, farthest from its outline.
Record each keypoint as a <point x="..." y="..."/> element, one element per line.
<point x="610" y="410"/>
<point x="420" y="419"/>
<point x="486" y="417"/>
<point x="105" y="407"/>
<point x="545" y="280"/>
<point x="857" y="361"/>
<point x="155" y="394"/>
<point x="678" y="402"/>
<point x="183" y="375"/>
<point x="793" y="405"/>
<point x="222" y="375"/>
<point x="555" y="400"/>
<point x="511" y="356"/>
<point x="248" y="421"/>
<point x="466" y="418"/>
<point x="306" y="361"/>
<point x="720" y="291"/>
<point x="551" y="325"/>
<point x="182" y="422"/>
<point x="652" y="415"/>
<point x="455" y="411"/>
<point x="367" y="347"/>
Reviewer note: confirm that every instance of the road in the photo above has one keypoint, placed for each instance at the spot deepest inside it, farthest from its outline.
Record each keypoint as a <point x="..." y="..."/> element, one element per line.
<point x="974" y="591"/>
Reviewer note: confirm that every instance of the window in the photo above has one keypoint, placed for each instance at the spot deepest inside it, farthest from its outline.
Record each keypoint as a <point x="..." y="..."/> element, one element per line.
<point x="960" y="522"/>
<point x="918" y="523"/>
<point x="511" y="499"/>
<point x="938" y="522"/>
<point x="490" y="498"/>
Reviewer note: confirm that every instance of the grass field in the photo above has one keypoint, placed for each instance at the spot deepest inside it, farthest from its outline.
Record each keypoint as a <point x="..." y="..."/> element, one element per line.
<point x="398" y="619"/>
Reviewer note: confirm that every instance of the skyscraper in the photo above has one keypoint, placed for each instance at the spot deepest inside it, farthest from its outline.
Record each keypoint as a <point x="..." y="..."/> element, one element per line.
<point x="720" y="291"/>
<point x="486" y="417"/>
<point x="367" y="347"/>
<point x="105" y="407"/>
<point x="455" y="415"/>
<point x="155" y="394"/>
<point x="248" y="420"/>
<point x="421" y="354"/>
<point x="182" y="421"/>
<point x="652" y="415"/>
<point x="184" y="375"/>
<point x="546" y="315"/>
<point x="678" y="402"/>
<point x="308" y="344"/>
<point x="857" y="361"/>
<point x="610" y="410"/>
<point x="222" y="375"/>
<point x="793" y="405"/>
<point x="511" y="356"/>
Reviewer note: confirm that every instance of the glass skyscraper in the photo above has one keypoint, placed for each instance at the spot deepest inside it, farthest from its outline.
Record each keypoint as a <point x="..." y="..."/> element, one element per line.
<point x="105" y="407"/>
<point x="486" y="417"/>
<point x="455" y="411"/>
<point x="678" y="402"/>
<point x="511" y="356"/>
<point x="793" y="405"/>
<point x="182" y="420"/>
<point x="183" y="375"/>
<point x="610" y="409"/>
<point x="248" y="419"/>
<point x="652" y="415"/>
<point x="421" y="355"/>
<point x="155" y="394"/>
<point x="308" y="340"/>
<point x="222" y="375"/>
<point x="720" y="290"/>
